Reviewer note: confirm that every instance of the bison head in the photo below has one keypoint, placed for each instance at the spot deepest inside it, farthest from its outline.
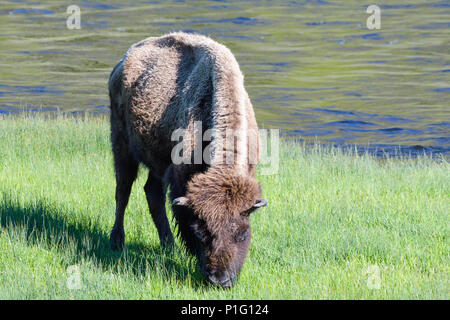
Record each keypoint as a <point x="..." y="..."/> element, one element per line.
<point x="218" y="233"/>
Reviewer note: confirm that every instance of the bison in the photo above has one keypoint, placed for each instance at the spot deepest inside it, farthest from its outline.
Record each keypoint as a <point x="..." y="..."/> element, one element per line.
<point x="163" y="84"/>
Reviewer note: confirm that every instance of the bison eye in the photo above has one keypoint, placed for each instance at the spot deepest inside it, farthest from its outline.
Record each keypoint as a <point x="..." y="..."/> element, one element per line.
<point x="197" y="231"/>
<point x="198" y="234"/>
<point x="241" y="236"/>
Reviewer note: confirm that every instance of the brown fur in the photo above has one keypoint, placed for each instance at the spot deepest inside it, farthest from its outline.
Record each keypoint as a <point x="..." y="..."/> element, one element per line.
<point x="219" y="192"/>
<point x="166" y="83"/>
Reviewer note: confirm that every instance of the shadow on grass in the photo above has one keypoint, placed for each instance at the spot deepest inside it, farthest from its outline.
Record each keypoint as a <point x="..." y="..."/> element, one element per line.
<point x="43" y="222"/>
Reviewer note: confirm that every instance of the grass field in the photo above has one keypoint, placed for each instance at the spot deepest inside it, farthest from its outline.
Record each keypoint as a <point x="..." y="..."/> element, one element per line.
<point x="338" y="225"/>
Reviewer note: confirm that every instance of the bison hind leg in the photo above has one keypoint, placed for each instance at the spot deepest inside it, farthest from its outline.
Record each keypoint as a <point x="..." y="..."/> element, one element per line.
<point x="126" y="172"/>
<point x="126" y="168"/>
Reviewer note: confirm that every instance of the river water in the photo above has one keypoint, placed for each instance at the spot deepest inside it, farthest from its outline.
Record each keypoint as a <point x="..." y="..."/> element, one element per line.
<point x="312" y="68"/>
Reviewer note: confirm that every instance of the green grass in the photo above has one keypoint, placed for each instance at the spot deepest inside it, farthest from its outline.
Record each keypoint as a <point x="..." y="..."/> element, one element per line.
<point x="332" y="217"/>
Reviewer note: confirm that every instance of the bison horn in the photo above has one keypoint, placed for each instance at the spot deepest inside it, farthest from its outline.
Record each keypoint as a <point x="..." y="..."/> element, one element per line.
<point x="260" y="203"/>
<point x="181" y="201"/>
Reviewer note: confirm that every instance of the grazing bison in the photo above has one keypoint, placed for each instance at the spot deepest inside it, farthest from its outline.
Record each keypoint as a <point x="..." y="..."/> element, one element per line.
<point x="175" y="82"/>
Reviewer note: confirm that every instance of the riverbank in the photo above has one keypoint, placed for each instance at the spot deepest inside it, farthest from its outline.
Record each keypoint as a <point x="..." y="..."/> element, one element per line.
<point x="339" y="225"/>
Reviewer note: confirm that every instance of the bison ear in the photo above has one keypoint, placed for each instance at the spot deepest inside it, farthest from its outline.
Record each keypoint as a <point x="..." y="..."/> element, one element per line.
<point x="181" y="201"/>
<point x="258" y="204"/>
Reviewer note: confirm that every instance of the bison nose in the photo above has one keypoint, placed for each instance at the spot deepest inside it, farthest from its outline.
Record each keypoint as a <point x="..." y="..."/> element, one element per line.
<point x="221" y="278"/>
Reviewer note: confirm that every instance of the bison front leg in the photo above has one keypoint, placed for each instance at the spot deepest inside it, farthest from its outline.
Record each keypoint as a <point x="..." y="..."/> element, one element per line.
<point x="126" y="171"/>
<point x="156" y="198"/>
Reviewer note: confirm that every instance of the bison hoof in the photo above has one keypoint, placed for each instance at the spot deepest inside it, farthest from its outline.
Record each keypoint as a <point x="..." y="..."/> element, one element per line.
<point x="117" y="239"/>
<point x="167" y="243"/>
